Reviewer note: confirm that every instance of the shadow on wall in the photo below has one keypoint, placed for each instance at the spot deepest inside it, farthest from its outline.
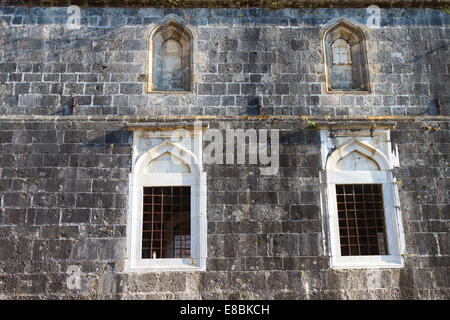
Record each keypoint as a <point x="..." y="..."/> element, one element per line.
<point x="311" y="16"/>
<point x="406" y="284"/>
<point x="67" y="109"/>
<point x="254" y="107"/>
<point x="435" y="58"/>
<point x="100" y="149"/>
<point x="436" y="107"/>
<point x="120" y="137"/>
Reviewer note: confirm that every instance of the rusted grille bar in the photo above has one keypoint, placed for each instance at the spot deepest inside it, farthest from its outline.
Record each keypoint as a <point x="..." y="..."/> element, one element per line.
<point x="166" y="227"/>
<point x="361" y="219"/>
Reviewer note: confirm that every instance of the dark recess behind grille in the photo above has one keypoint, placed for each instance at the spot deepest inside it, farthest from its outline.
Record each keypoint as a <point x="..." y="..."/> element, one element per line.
<point x="166" y="228"/>
<point x="361" y="219"/>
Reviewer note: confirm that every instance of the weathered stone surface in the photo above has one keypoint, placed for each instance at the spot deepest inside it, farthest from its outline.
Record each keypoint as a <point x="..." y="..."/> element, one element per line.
<point x="233" y="3"/>
<point x="67" y="97"/>
<point x="239" y="55"/>
<point x="269" y="249"/>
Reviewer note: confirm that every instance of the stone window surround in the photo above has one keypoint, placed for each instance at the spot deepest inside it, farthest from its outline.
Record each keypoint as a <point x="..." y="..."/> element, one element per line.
<point x="360" y="141"/>
<point x="170" y="29"/>
<point x="356" y="36"/>
<point x="196" y="179"/>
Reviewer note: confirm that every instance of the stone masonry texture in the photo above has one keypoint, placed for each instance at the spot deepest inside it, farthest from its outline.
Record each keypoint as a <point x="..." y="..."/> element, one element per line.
<point x="67" y="97"/>
<point x="239" y="55"/>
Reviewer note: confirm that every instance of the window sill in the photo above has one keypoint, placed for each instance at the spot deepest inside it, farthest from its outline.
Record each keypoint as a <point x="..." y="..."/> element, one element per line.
<point x="330" y="91"/>
<point x="367" y="262"/>
<point x="164" y="265"/>
<point x="169" y="92"/>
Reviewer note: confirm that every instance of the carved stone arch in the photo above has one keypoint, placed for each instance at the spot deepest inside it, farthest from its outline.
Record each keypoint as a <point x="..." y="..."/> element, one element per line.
<point x="352" y="77"/>
<point x="372" y="155"/>
<point x="345" y="29"/>
<point x="171" y="58"/>
<point x="180" y="153"/>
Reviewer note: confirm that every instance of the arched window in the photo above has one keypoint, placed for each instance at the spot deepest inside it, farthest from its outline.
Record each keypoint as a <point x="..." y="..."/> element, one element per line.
<point x="167" y="226"/>
<point x="345" y="58"/>
<point x="363" y="216"/>
<point x="170" y="67"/>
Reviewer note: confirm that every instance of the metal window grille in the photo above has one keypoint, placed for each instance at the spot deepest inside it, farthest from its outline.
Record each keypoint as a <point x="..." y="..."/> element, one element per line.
<point x="166" y="228"/>
<point x="361" y="219"/>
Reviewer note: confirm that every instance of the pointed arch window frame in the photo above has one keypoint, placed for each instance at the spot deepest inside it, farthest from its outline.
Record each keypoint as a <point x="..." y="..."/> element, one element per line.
<point x="195" y="179"/>
<point x="391" y="201"/>
<point x="360" y="64"/>
<point x="152" y="51"/>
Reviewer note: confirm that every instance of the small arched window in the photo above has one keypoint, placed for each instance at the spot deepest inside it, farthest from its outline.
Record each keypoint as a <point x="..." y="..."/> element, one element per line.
<point x="170" y="67"/>
<point x="345" y="58"/>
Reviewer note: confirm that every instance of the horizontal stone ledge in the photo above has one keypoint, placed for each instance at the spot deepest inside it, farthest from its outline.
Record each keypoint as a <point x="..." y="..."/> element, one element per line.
<point x="349" y="124"/>
<point x="166" y="126"/>
<point x="271" y="4"/>
<point x="146" y="120"/>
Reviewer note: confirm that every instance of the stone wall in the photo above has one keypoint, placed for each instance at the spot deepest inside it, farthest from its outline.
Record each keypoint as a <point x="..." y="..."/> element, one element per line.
<point x="64" y="193"/>
<point x="239" y="55"/>
<point x="277" y="4"/>
<point x="67" y="97"/>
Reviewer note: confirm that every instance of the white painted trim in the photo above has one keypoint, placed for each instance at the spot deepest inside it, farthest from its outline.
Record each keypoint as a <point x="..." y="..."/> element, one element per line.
<point x="363" y="148"/>
<point x="195" y="179"/>
<point x="343" y="177"/>
<point x="175" y="150"/>
<point x="394" y="229"/>
<point x="366" y="262"/>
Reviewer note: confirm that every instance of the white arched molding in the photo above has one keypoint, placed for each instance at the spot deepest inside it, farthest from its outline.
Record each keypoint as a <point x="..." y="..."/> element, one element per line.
<point x="177" y="152"/>
<point x="365" y="149"/>
<point x="375" y="148"/>
<point x="178" y="149"/>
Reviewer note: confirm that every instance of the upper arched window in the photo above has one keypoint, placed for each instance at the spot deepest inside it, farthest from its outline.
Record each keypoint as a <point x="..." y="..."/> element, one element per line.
<point x="170" y="67"/>
<point x="345" y="58"/>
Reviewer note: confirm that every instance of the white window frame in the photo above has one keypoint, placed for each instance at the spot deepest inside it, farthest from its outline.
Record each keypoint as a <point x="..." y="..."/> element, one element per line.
<point x="393" y="223"/>
<point x="195" y="179"/>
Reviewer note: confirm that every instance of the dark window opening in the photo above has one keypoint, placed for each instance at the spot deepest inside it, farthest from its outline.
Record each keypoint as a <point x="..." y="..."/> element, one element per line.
<point x="362" y="228"/>
<point x="166" y="228"/>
